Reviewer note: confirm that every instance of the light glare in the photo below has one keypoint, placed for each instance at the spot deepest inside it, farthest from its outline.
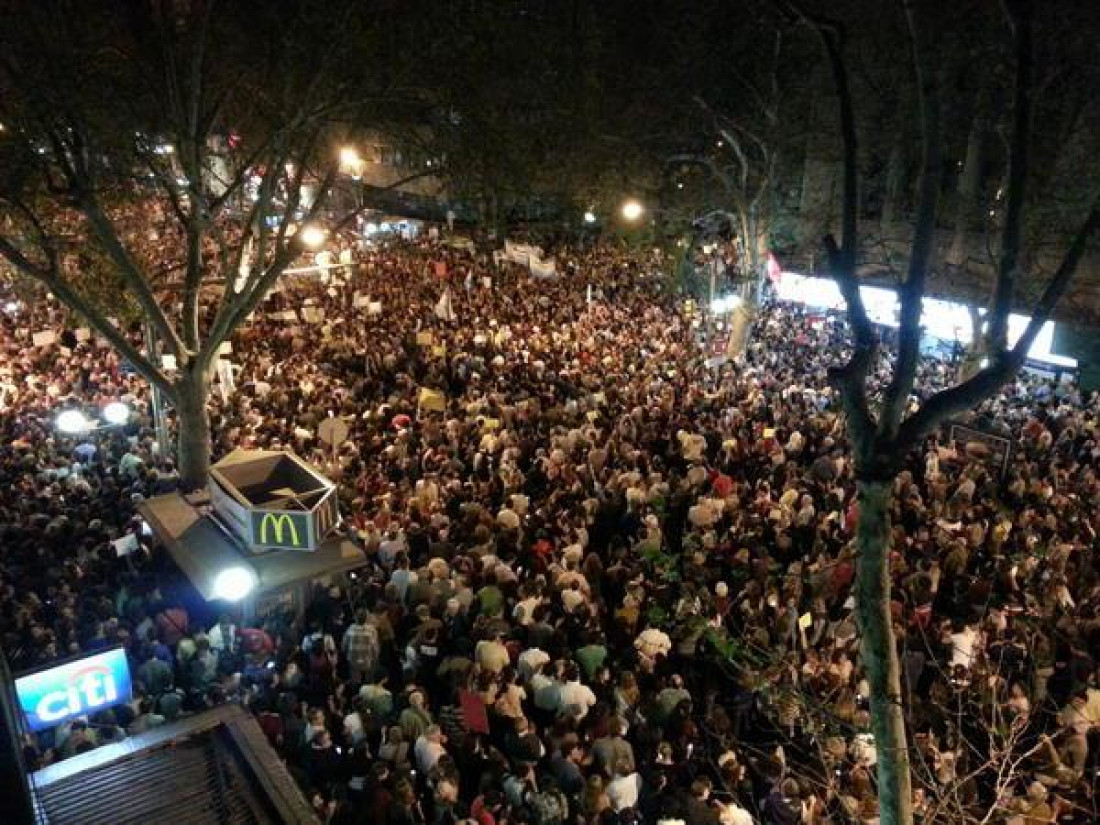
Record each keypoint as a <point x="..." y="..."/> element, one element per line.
<point x="632" y="210"/>
<point x="73" y="422"/>
<point x="116" y="413"/>
<point x="234" y="583"/>
<point x="313" y="236"/>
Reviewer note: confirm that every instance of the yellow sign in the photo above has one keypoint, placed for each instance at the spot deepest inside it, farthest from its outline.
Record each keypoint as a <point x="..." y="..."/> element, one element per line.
<point x="279" y="523"/>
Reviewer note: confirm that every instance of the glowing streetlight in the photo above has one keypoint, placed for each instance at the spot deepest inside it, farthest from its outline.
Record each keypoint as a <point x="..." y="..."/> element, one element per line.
<point x="349" y="156"/>
<point x="116" y="413"/>
<point x="589" y="216"/>
<point x="632" y="210"/>
<point x="72" y="422"/>
<point x="313" y="236"/>
<point x="234" y="583"/>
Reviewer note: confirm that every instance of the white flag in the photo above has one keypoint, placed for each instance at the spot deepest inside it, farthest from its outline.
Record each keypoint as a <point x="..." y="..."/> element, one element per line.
<point x="443" y="309"/>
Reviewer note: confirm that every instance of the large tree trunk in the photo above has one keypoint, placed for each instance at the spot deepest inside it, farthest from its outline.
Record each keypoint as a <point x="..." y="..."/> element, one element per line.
<point x="193" y="438"/>
<point x="893" y="201"/>
<point x="976" y="352"/>
<point x="740" y="325"/>
<point x="880" y="654"/>
<point x="969" y="182"/>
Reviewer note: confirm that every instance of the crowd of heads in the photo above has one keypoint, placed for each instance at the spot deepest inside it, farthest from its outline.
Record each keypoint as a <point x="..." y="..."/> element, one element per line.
<point x="611" y="575"/>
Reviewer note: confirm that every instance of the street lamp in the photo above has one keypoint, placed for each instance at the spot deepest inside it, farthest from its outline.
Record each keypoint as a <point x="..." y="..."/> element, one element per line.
<point x="349" y="156"/>
<point x="632" y="210"/>
<point x="589" y="216"/>
<point x="234" y="583"/>
<point x="313" y="236"/>
<point x="116" y="413"/>
<point x="72" y="422"/>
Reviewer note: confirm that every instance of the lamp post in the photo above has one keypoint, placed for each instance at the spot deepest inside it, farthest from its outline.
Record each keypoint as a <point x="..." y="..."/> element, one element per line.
<point x="351" y="164"/>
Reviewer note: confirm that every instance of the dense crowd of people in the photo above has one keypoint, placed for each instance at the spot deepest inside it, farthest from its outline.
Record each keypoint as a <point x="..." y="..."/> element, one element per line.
<point x="610" y="577"/>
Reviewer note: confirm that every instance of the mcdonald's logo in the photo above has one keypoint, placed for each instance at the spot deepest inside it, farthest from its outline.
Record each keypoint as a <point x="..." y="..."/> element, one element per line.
<point x="279" y="530"/>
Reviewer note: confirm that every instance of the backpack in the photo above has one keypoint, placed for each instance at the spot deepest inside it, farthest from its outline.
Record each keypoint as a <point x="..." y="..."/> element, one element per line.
<point x="549" y="807"/>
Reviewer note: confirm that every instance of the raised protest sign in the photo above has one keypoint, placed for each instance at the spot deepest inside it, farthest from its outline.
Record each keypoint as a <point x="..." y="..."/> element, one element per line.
<point x="992" y="449"/>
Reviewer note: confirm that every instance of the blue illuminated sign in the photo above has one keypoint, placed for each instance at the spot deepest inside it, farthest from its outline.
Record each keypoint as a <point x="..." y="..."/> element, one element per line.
<point x="50" y="697"/>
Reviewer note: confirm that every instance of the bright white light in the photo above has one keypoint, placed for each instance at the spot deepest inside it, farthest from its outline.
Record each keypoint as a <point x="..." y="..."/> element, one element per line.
<point x="11" y="307"/>
<point x="946" y="320"/>
<point x="632" y="210"/>
<point x="234" y="583"/>
<point x="164" y="149"/>
<point x="349" y="156"/>
<point x="370" y="229"/>
<point x="727" y="303"/>
<point x="72" y="422"/>
<point x="589" y="216"/>
<point x="116" y="413"/>
<point x="313" y="236"/>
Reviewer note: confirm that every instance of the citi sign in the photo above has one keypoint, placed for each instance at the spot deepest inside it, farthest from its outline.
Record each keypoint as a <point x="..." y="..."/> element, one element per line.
<point x="57" y="694"/>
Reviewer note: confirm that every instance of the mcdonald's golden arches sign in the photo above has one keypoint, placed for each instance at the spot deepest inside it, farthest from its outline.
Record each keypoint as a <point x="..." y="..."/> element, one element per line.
<point x="282" y="529"/>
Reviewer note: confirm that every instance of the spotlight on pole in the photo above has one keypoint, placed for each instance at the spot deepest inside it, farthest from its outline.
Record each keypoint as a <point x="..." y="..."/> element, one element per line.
<point x="234" y="583"/>
<point x="72" y="422"/>
<point x="116" y="413"/>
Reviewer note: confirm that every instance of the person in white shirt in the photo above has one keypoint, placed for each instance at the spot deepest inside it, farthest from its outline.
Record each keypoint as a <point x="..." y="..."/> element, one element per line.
<point x="429" y="748"/>
<point x="964" y="645"/>
<point x="625" y="787"/>
<point x="574" y="699"/>
<point x="530" y="661"/>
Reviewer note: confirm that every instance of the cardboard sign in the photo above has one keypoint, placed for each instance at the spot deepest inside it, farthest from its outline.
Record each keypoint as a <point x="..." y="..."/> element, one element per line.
<point x="361" y="301"/>
<point x="374" y="308"/>
<point x="83" y="334"/>
<point x="439" y="351"/>
<point x="125" y="545"/>
<point x="432" y="400"/>
<point x="44" y="338"/>
<point x="424" y="339"/>
<point x="226" y="348"/>
<point x="806" y="621"/>
<point x="313" y="315"/>
<point x="168" y="362"/>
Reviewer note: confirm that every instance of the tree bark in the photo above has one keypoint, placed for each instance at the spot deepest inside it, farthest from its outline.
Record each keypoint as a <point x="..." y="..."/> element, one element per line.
<point x="740" y="326"/>
<point x="193" y="436"/>
<point x="892" y="204"/>
<point x="880" y="655"/>
<point x="966" y="209"/>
